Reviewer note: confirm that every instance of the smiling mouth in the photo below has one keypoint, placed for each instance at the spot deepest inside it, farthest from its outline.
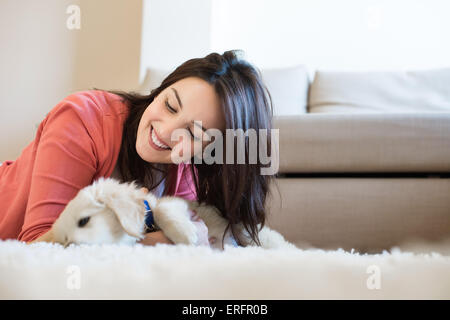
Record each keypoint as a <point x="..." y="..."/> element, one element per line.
<point x="155" y="142"/>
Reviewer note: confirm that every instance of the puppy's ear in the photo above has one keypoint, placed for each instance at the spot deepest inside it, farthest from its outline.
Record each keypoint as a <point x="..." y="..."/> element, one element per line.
<point x="130" y="216"/>
<point x="125" y="201"/>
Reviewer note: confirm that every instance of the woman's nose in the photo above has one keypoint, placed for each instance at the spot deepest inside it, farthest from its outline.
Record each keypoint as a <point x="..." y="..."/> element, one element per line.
<point x="166" y="131"/>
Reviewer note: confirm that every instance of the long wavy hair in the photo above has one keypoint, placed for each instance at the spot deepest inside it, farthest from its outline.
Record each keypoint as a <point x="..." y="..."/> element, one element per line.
<point x="238" y="191"/>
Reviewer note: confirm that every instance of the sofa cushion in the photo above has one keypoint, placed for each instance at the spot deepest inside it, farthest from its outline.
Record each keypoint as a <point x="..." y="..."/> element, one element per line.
<point x="408" y="91"/>
<point x="152" y="80"/>
<point x="288" y="87"/>
<point x="323" y="143"/>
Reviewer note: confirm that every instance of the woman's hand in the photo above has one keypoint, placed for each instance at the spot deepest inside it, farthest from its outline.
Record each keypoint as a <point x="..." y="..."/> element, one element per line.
<point x="152" y="238"/>
<point x="202" y="229"/>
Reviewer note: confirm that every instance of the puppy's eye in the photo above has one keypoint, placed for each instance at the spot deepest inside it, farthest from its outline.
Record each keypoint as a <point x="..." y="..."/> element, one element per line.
<point x="82" y="222"/>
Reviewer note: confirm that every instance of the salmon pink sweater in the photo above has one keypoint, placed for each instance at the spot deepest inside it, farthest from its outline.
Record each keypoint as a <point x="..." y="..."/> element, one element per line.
<point x="77" y="142"/>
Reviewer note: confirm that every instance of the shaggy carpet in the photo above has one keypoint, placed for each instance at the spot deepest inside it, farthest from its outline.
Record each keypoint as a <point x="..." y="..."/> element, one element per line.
<point x="48" y="271"/>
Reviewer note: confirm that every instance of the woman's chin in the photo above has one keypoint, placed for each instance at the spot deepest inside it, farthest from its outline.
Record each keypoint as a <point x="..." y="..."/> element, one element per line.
<point x="154" y="157"/>
<point x="146" y="153"/>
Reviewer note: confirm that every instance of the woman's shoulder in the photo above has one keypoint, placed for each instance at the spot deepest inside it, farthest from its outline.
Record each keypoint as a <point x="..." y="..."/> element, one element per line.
<point x="97" y="103"/>
<point x="88" y="114"/>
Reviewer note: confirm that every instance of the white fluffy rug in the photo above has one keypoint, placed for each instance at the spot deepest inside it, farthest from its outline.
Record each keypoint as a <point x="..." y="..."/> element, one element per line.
<point x="48" y="271"/>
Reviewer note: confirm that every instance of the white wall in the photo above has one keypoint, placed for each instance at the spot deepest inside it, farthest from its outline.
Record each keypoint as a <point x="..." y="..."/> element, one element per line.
<point x="109" y="45"/>
<point x="36" y="63"/>
<point x="42" y="61"/>
<point x="339" y="35"/>
<point x="173" y="32"/>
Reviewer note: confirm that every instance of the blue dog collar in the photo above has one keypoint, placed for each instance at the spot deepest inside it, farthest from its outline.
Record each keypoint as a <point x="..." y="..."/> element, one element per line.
<point x="149" y="221"/>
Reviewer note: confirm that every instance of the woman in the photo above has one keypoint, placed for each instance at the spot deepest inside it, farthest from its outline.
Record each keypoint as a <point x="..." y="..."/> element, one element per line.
<point x="129" y="136"/>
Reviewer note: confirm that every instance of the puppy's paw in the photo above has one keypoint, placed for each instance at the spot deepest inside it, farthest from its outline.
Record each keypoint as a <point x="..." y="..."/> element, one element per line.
<point x="172" y="217"/>
<point x="181" y="232"/>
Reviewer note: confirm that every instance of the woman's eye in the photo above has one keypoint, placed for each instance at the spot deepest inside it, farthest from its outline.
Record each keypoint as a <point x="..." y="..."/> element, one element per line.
<point x="174" y="111"/>
<point x="170" y="108"/>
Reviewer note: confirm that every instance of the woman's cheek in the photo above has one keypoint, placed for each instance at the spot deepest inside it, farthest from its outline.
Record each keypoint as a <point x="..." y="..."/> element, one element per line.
<point x="182" y="151"/>
<point x="198" y="147"/>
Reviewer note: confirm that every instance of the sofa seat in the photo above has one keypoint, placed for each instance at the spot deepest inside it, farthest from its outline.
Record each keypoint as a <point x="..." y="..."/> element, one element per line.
<point x="365" y="214"/>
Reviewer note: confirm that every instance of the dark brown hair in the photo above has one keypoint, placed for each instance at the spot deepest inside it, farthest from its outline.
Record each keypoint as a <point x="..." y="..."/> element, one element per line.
<point x="239" y="191"/>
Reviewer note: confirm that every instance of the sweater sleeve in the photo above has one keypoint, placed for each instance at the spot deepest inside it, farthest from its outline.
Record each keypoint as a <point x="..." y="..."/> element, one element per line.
<point x="65" y="162"/>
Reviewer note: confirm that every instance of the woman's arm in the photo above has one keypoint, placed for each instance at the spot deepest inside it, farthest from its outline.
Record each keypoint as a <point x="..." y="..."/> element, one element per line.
<point x="66" y="160"/>
<point x="46" y="237"/>
<point x="152" y="238"/>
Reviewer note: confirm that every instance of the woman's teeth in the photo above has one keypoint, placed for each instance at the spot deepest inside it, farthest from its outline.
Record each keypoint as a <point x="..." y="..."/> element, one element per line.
<point x="157" y="142"/>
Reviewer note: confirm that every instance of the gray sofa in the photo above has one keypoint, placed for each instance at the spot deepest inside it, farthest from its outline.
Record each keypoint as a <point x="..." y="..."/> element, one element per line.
<point x="364" y="156"/>
<point x="365" y="162"/>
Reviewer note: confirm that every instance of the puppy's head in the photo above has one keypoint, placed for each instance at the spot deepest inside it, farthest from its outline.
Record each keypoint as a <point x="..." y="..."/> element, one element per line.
<point x="105" y="212"/>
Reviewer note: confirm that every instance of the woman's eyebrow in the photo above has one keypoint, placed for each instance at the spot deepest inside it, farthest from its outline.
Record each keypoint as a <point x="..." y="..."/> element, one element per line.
<point x="181" y="107"/>
<point x="178" y="97"/>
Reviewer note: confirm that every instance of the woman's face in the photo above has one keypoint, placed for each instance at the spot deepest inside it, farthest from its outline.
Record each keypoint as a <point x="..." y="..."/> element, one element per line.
<point x="197" y="101"/>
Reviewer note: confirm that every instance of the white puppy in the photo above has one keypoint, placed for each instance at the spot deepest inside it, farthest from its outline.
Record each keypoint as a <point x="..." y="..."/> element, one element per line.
<point x="108" y="211"/>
